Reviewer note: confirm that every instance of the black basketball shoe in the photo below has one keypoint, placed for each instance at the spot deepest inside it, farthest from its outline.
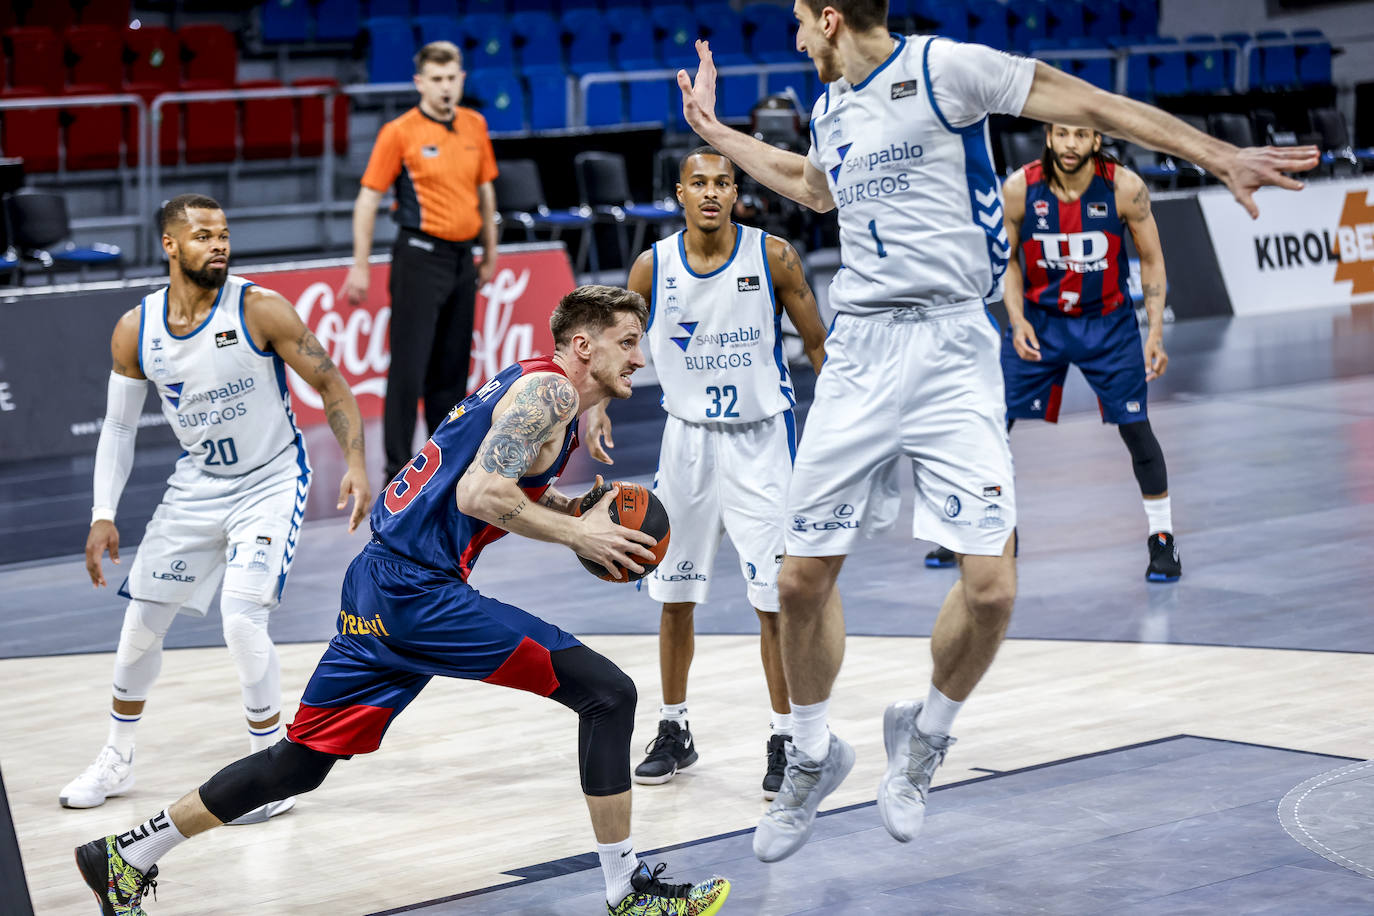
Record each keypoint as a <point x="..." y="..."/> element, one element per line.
<point x="940" y="558"/>
<point x="1165" y="566"/>
<point x="672" y="750"/>
<point x="117" y="885"/>
<point x="777" y="763"/>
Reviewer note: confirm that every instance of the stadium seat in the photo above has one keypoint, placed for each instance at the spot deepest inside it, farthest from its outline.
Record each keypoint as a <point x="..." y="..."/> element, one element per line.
<point x="520" y="199"/>
<point x="57" y="15"/>
<point x="724" y="28"/>
<point x="603" y="186"/>
<point x="951" y="19"/>
<point x="96" y="56"/>
<point x="479" y="7"/>
<point x="93" y="132"/>
<point x="502" y="97"/>
<point x="487" y="43"/>
<point x="605" y="104"/>
<point x="676" y="31"/>
<point x="438" y="28"/>
<point x="632" y="38"/>
<point x="36" y="59"/>
<point x="285" y="21"/>
<point x="267" y="123"/>
<point x="538" y="42"/>
<point x="208" y="52"/>
<point x="1334" y="140"/>
<point x="589" y="43"/>
<point x="113" y="13"/>
<point x="619" y="6"/>
<point x="338" y="20"/>
<point x="804" y="83"/>
<point x="310" y="118"/>
<point x="1233" y="128"/>
<point x="402" y="9"/>
<point x="1206" y="69"/>
<point x="1020" y="147"/>
<point x="1278" y="63"/>
<point x="1101" y="19"/>
<point x="1314" y="57"/>
<point x="154" y="57"/>
<point x="570" y="5"/>
<point x="548" y="94"/>
<point x="1066" y="19"/>
<point x="1029" y="22"/>
<point x="769" y="34"/>
<point x="650" y="101"/>
<point x="41" y="230"/>
<point x="168" y="131"/>
<point x="1169" y="70"/>
<point x="390" y="49"/>
<point x="32" y="135"/>
<point x="439" y="8"/>
<point x="988" y="24"/>
<point x="211" y="126"/>
<point x="1139" y="17"/>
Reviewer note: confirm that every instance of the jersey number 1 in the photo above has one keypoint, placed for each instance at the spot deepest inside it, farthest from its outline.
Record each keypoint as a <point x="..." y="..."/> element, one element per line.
<point x="873" y="231"/>
<point x="413" y="479"/>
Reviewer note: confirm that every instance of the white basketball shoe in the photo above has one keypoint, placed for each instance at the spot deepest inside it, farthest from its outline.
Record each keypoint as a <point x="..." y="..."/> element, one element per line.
<point x="109" y="776"/>
<point x="912" y="758"/>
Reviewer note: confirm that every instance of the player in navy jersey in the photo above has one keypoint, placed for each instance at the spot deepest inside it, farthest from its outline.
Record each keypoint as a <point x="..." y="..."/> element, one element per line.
<point x="408" y="614"/>
<point x="1068" y="213"/>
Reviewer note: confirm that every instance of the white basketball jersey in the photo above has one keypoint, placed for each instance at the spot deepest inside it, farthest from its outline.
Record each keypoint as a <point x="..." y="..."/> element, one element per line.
<point x="715" y="338"/>
<point x="225" y="399"/>
<point x="918" y="200"/>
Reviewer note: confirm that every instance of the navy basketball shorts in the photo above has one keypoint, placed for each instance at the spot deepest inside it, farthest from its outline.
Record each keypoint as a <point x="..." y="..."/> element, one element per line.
<point x="401" y="624"/>
<point x="1106" y="348"/>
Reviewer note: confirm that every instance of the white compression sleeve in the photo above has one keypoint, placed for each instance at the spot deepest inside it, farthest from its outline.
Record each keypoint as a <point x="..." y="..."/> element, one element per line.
<point x="114" y="453"/>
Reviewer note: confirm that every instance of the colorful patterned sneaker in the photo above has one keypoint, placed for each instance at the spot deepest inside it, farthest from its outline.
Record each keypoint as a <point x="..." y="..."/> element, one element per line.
<point x="672" y="750"/>
<point x="109" y="776"/>
<point x="263" y="812"/>
<point x="652" y="897"/>
<point x="940" y="558"/>
<point x="911" y="761"/>
<point x="1165" y="566"/>
<point x="117" y="885"/>
<point x="787" y="823"/>
<point x="777" y="763"/>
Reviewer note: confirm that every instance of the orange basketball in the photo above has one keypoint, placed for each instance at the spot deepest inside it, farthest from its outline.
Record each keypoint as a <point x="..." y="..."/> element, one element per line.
<point x="635" y="507"/>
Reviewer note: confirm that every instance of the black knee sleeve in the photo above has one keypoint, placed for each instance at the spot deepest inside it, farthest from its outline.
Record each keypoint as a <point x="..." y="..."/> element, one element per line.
<point x="278" y="772"/>
<point x="604" y="699"/>
<point x="1147" y="458"/>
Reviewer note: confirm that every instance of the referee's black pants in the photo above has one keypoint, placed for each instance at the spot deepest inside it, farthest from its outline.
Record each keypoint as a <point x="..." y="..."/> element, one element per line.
<point x="433" y="294"/>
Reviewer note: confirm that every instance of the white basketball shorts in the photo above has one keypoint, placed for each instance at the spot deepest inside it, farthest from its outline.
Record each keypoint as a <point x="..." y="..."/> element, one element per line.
<point x="909" y="384"/>
<point x="716" y="478"/>
<point x="242" y="528"/>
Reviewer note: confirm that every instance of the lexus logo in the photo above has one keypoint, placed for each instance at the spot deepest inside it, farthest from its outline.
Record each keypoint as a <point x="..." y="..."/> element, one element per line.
<point x="844" y="510"/>
<point x="685" y="566"/>
<point x="178" y="566"/>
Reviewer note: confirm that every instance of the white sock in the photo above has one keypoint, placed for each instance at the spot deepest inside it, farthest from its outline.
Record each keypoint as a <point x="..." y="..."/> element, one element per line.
<point x="146" y="843"/>
<point x="618" y="862"/>
<point x="259" y="739"/>
<point x="121" y="735"/>
<point x="937" y="715"/>
<point x="1159" y="515"/>
<point x="673" y="712"/>
<point x="810" y="733"/>
<point x="781" y="723"/>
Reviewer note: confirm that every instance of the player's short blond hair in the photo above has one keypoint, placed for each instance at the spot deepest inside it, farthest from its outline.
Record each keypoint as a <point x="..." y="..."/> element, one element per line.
<point x="594" y="309"/>
<point x="438" y="52"/>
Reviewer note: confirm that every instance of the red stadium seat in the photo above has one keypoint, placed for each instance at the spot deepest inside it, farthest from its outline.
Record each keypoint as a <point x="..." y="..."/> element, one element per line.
<point x="51" y="14"/>
<point x="211" y="126"/>
<point x="169" y="131"/>
<point x="93" y="133"/>
<point x="36" y="60"/>
<point x="311" y="112"/>
<point x="97" y="56"/>
<point x="154" y="57"/>
<point x="267" y="123"/>
<point x="208" y="52"/>
<point x="34" y="136"/>
<point x="114" y="13"/>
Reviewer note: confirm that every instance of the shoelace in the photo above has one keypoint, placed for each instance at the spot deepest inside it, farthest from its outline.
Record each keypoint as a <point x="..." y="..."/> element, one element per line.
<point x="657" y="888"/>
<point x="148" y="883"/>
<point x="921" y="763"/>
<point x="662" y="743"/>
<point x="798" y="782"/>
<point x="777" y="754"/>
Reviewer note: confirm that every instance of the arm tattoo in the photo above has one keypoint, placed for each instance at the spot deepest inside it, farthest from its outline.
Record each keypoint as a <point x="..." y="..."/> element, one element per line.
<point x="343" y="427"/>
<point x="507" y="516"/>
<point x="1152" y="290"/>
<point x="309" y="346"/>
<point x="1140" y="204"/>
<point x="513" y="444"/>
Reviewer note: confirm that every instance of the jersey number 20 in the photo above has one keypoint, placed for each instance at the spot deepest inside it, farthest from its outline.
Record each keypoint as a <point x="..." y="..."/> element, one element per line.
<point x="413" y="479"/>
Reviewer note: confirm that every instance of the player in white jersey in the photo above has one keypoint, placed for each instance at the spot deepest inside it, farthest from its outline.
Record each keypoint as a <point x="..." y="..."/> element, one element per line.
<point x="900" y="149"/>
<point x="718" y="291"/>
<point x="216" y="348"/>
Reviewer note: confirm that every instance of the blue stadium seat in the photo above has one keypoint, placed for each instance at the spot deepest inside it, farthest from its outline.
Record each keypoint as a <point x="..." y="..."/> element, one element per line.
<point x="1278" y="64"/>
<point x="617" y="6"/>
<point x="1230" y="57"/>
<point x="1169" y="71"/>
<point x="476" y="7"/>
<point x="538" y="40"/>
<point x="438" y="28"/>
<point x="632" y="35"/>
<point x="770" y="34"/>
<point x="589" y="41"/>
<point x="1314" y="57"/>
<point x="1029" y="22"/>
<point x="1206" y="69"/>
<point x="1140" y="17"/>
<point x="605" y="104"/>
<point x="487" y="43"/>
<point x="988" y="24"/>
<point x="390" y="47"/>
<point x="1138" y="77"/>
<point x="502" y="97"/>
<point x="379" y="9"/>
<point x="285" y="21"/>
<point x="570" y="5"/>
<point x="725" y="29"/>
<point x="1066" y="19"/>
<point x="676" y="30"/>
<point x="338" y="20"/>
<point x="651" y="101"/>
<point x="1102" y="18"/>
<point x="436" y="8"/>
<point x="951" y="18"/>
<point x="548" y="94"/>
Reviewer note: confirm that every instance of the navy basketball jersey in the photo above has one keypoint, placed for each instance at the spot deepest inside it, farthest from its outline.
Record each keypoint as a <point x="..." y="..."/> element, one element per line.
<point x="1074" y="253"/>
<point x="417" y="514"/>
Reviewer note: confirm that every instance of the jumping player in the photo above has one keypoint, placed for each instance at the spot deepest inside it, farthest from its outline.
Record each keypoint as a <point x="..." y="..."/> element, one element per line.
<point x="1067" y="214"/>
<point x="899" y="146"/>
<point x="718" y="291"/>
<point x="408" y="614"/>
<point x="215" y="347"/>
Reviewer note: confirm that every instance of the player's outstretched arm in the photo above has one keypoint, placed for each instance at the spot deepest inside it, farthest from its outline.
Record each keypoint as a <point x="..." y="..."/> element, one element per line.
<point x="1023" y="338"/>
<point x="1133" y="203"/>
<point x="1058" y="98"/>
<point x="114" y="453"/>
<point x="272" y="320"/>
<point x="787" y="173"/>
<point x="795" y="297"/>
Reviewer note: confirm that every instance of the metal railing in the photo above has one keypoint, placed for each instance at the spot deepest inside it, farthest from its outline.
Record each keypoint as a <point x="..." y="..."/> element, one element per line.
<point x="577" y="100"/>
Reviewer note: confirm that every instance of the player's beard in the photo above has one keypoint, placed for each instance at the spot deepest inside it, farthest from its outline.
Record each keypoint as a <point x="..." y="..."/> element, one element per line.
<point x="1066" y="172"/>
<point x="204" y="277"/>
<point x="609" y="379"/>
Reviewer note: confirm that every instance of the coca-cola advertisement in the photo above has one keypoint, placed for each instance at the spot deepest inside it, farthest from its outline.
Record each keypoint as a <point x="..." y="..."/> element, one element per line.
<point x="511" y="322"/>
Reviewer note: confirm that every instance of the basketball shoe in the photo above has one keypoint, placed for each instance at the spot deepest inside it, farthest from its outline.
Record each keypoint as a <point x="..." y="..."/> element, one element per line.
<point x="652" y="897"/>
<point x="1165" y="566"/>
<point x="672" y="750"/>
<point x="940" y="558"/>
<point x="911" y="761"/>
<point x="117" y="885"/>
<point x="777" y="762"/>
<point x="786" y="825"/>
<point x="109" y="776"/>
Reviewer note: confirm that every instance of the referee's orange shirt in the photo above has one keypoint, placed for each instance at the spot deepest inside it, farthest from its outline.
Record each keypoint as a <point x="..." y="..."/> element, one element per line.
<point x="436" y="167"/>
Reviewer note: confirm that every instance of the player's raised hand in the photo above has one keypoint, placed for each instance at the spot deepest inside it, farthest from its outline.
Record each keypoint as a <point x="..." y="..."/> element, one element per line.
<point x="104" y="537"/>
<point x="355" y="483"/>
<point x="1247" y="170"/>
<point x="597" y="432"/>
<point x="1156" y="360"/>
<point x="1026" y="343"/>
<point x="613" y="546"/>
<point x="699" y="97"/>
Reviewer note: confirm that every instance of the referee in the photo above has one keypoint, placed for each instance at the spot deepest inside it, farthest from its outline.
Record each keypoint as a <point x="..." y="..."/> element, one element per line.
<point x="439" y="158"/>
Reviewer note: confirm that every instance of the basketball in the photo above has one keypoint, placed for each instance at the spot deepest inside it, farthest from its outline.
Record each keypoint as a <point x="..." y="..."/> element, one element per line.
<point x="634" y="507"/>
